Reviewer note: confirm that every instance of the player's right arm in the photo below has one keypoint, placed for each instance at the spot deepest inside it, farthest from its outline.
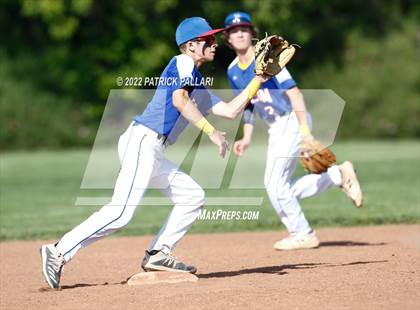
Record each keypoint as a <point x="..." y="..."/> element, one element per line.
<point x="241" y="145"/>
<point x="189" y="111"/>
<point x="248" y="119"/>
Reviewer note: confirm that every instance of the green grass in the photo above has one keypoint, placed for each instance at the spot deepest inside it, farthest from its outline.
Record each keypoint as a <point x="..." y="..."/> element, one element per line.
<point x="38" y="192"/>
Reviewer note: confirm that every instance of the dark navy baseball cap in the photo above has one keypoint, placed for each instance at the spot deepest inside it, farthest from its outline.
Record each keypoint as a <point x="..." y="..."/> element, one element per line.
<point x="238" y="19"/>
<point x="192" y="28"/>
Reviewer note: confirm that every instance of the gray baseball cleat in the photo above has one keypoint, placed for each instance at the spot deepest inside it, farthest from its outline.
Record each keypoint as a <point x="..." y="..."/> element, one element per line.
<point x="160" y="261"/>
<point x="350" y="184"/>
<point x="52" y="265"/>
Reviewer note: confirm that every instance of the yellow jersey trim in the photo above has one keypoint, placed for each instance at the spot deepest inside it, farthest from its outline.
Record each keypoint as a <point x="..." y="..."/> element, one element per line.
<point x="244" y="66"/>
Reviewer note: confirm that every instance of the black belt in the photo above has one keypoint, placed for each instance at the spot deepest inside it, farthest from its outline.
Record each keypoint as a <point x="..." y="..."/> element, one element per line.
<point x="163" y="139"/>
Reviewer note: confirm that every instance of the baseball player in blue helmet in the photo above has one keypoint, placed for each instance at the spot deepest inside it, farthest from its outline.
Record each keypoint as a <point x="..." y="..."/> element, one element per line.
<point x="280" y="104"/>
<point x="141" y="150"/>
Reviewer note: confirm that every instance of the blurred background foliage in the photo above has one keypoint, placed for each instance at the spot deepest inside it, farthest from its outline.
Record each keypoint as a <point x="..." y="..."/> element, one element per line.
<point x="60" y="58"/>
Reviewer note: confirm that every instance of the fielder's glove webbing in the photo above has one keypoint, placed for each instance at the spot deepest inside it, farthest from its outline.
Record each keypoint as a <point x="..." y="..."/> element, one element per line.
<point x="272" y="54"/>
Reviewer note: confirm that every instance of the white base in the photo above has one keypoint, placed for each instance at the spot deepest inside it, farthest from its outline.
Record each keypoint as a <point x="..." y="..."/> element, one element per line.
<point x="155" y="277"/>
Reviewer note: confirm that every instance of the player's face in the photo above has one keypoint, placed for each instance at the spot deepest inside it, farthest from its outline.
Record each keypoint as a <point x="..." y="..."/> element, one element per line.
<point x="240" y="37"/>
<point x="206" y="48"/>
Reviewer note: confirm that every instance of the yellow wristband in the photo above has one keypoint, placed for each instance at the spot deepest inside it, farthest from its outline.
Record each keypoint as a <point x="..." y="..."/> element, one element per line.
<point x="304" y="130"/>
<point x="205" y="126"/>
<point x="252" y="88"/>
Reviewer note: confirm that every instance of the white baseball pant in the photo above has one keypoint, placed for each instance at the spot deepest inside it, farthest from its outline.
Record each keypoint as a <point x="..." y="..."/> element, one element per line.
<point x="142" y="164"/>
<point x="282" y="155"/>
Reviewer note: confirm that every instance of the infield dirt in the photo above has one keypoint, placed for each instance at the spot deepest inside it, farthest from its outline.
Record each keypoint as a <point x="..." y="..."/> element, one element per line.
<point x="354" y="268"/>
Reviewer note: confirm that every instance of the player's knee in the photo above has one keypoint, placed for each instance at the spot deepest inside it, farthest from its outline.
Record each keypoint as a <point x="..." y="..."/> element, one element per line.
<point x="197" y="197"/>
<point x="193" y="196"/>
<point x="284" y="194"/>
<point x="117" y="215"/>
<point x="269" y="187"/>
<point x="271" y="182"/>
<point x="279" y="191"/>
<point x="122" y="221"/>
<point x="274" y="186"/>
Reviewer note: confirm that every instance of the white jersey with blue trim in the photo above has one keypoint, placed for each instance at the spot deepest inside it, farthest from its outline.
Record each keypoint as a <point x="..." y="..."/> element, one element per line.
<point x="271" y="97"/>
<point x="160" y="114"/>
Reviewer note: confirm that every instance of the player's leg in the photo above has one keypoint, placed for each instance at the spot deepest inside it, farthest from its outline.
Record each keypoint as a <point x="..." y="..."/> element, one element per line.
<point x="281" y="163"/>
<point x="313" y="184"/>
<point x="282" y="155"/>
<point x="188" y="199"/>
<point x="343" y="176"/>
<point x="133" y="178"/>
<point x="136" y="169"/>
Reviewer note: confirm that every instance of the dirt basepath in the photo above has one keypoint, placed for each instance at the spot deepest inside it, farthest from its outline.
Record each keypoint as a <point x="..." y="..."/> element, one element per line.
<point x="355" y="268"/>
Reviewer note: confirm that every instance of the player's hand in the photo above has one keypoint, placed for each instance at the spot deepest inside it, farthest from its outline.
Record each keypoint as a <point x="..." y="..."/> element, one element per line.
<point x="307" y="141"/>
<point x="218" y="138"/>
<point x="240" y="146"/>
<point x="262" y="77"/>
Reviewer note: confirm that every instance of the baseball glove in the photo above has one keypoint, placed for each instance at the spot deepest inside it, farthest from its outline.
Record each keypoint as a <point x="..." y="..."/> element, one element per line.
<point x="272" y="54"/>
<point x="316" y="158"/>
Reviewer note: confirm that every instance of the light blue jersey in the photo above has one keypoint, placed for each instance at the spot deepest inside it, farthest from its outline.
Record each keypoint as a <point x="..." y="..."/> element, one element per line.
<point x="272" y="100"/>
<point x="160" y="114"/>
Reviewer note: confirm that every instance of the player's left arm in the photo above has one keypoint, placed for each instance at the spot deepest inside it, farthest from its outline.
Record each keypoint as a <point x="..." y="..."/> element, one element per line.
<point x="297" y="102"/>
<point x="233" y="108"/>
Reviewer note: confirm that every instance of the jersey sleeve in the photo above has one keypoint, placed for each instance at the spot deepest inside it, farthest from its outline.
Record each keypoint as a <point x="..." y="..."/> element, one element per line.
<point x="285" y="80"/>
<point x="186" y="71"/>
<point x="248" y="117"/>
